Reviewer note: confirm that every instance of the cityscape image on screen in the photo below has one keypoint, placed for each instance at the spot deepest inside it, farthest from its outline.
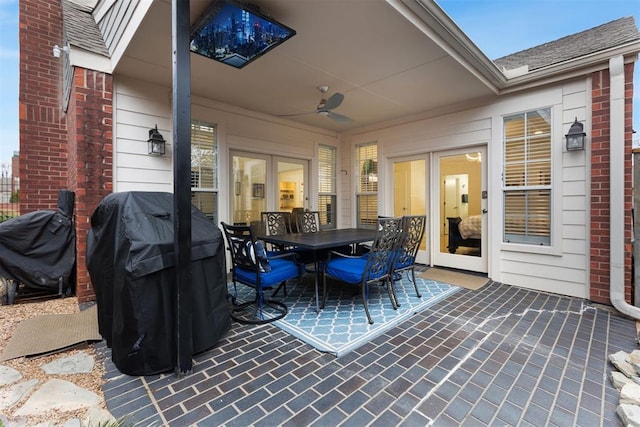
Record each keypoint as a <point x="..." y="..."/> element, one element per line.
<point x="235" y="34"/>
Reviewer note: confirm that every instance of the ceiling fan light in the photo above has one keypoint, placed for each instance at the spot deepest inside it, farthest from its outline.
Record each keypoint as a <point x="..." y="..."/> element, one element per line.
<point x="323" y="113"/>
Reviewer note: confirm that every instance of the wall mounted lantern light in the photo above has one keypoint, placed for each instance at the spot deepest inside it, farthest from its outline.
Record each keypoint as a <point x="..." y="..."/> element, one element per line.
<point x="156" y="142"/>
<point x="576" y="137"/>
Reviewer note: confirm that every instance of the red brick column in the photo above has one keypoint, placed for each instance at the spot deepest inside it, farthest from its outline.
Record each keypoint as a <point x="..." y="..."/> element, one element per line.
<point x="57" y="150"/>
<point x="43" y="132"/>
<point x="90" y="158"/>
<point x="601" y="185"/>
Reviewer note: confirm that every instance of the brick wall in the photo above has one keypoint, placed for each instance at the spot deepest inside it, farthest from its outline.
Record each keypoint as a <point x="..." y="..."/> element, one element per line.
<point x="43" y="133"/>
<point x="57" y="150"/>
<point x="90" y="158"/>
<point x="600" y="186"/>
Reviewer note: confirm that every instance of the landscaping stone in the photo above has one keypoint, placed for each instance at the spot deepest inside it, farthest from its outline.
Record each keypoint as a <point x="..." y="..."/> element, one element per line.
<point x="97" y="416"/>
<point x="60" y="395"/>
<point x="8" y="375"/>
<point x="621" y="361"/>
<point x="630" y="393"/>
<point x="629" y="414"/>
<point x="12" y="394"/>
<point x="15" y="422"/>
<point x="618" y="379"/>
<point x="78" y="363"/>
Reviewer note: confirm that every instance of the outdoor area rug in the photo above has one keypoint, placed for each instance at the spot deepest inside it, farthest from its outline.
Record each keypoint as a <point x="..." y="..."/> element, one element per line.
<point x="341" y="326"/>
<point x="48" y="333"/>
<point x="457" y="278"/>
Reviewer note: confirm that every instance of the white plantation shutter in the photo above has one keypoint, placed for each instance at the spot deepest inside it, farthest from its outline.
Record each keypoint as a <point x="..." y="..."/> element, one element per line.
<point x="204" y="168"/>
<point x="367" y="191"/>
<point x="527" y="178"/>
<point x="327" y="195"/>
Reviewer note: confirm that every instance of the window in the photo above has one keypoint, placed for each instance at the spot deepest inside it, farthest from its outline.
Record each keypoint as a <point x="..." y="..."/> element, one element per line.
<point x="367" y="190"/>
<point x="327" y="195"/>
<point x="204" y="169"/>
<point x="527" y="178"/>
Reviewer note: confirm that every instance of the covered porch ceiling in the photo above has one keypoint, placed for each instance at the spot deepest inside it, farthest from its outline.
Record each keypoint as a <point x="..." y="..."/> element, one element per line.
<point x="392" y="60"/>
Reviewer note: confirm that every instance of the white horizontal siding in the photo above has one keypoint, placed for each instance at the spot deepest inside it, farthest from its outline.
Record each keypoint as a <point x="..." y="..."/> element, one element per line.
<point x="140" y="106"/>
<point x="565" y="268"/>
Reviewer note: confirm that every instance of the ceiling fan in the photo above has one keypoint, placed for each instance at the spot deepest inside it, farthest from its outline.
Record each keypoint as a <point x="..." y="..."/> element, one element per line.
<point x="326" y="105"/>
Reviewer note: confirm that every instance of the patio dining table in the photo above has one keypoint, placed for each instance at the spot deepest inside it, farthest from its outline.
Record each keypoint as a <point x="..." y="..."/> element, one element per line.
<point x="319" y="241"/>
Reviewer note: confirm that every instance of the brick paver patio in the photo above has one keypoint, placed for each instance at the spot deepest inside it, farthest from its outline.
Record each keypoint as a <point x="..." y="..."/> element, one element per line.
<point x="501" y="355"/>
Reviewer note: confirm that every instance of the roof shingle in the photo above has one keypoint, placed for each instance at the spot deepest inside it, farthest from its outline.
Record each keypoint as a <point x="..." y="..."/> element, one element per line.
<point x="81" y="29"/>
<point x="612" y="34"/>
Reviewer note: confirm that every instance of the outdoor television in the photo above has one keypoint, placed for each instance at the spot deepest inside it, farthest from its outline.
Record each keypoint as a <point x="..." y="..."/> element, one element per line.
<point x="236" y="33"/>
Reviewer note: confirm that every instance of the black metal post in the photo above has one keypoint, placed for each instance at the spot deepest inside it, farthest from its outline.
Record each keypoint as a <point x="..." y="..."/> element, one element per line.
<point x="181" y="103"/>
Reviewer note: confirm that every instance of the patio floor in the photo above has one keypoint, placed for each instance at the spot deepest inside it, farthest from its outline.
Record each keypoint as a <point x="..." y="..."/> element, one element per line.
<point x="501" y="355"/>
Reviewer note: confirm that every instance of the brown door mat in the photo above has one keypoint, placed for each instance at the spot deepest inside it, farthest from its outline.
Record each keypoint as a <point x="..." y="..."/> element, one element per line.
<point x="45" y="334"/>
<point x="457" y="278"/>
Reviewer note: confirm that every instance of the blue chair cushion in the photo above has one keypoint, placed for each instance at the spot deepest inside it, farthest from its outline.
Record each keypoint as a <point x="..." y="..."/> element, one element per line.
<point x="348" y="270"/>
<point x="404" y="263"/>
<point x="281" y="270"/>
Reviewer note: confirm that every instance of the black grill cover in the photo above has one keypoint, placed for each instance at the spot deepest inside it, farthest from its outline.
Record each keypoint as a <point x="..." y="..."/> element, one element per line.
<point x="39" y="248"/>
<point x="130" y="261"/>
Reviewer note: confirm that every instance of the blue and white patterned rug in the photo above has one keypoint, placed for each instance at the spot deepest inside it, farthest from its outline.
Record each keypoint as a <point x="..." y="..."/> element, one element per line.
<point x="341" y="326"/>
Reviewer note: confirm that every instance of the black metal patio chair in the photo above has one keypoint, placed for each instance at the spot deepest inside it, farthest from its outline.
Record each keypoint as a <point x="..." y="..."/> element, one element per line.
<point x="406" y="250"/>
<point x="371" y="268"/>
<point x="252" y="267"/>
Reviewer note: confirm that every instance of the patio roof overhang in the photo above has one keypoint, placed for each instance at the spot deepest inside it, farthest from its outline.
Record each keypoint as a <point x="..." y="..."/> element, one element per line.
<point x="391" y="59"/>
<point x="394" y="60"/>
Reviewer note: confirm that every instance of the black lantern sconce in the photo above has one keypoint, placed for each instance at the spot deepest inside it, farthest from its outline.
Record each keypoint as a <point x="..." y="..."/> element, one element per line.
<point x="156" y="142"/>
<point x="576" y="137"/>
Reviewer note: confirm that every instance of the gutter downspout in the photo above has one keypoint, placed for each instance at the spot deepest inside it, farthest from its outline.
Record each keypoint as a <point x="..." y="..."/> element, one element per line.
<point x="616" y="203"/>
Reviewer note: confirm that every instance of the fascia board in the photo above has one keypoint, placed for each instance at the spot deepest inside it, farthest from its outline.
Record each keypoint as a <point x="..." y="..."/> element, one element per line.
<point x="79" y="57"/>
<point x="572" y="68"/>
<point x="134" y="23"/>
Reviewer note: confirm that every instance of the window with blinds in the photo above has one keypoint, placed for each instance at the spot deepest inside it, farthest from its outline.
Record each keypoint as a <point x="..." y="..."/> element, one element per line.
<point x="527" y="178"/>
<point x="367" y="187"/>
<point x="204" y="169"/>
<point x="327" y="195"/>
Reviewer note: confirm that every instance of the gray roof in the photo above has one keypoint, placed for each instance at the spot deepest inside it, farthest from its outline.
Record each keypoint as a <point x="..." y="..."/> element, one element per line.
<point x="612" y="34"/>
<point x="81" y="29"/>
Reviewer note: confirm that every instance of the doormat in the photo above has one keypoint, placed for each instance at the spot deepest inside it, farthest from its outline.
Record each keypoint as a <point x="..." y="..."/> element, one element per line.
<point x="342" y="326"/>
<point x="46" y="334"/>
<point x="456" y="278"/>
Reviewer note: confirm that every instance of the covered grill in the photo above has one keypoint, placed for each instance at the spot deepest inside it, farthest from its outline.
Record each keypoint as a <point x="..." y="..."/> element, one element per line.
<point x="38" y="250"/>
<point x="130" y="258"/>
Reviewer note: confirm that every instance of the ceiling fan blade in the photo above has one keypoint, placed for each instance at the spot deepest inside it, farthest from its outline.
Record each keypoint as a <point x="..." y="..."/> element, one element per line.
<point x="297" y="114"/>
<point x="334" y="101"/>
<point x="338" y="117"/>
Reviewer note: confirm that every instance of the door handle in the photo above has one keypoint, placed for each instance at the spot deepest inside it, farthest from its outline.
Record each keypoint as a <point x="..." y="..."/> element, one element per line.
<point x="484" y="211"/>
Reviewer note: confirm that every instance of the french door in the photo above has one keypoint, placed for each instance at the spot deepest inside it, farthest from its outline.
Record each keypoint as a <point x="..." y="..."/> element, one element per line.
<point x="410" y="195"/>
<point x="459" y="209"/>
<point x="266" y="183"/>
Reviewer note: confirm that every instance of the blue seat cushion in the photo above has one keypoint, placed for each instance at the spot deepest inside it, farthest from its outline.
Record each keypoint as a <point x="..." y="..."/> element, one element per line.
<point x="348" y="270"/>
<point x="407" y="262"/>
<point x="281" y="270"/>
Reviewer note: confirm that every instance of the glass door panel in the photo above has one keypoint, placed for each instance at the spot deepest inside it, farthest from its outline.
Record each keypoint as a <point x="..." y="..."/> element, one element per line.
<point x="460" y="207"/>
<point x="291" y="174"/>
<point x="410" y="195"/>
<point x="249" y="188"/>
<point x="264" y="183"/>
